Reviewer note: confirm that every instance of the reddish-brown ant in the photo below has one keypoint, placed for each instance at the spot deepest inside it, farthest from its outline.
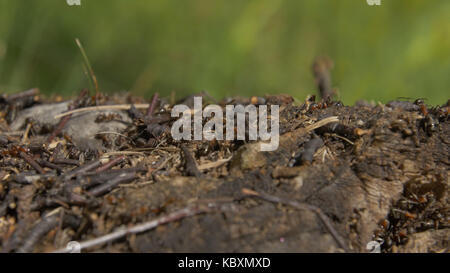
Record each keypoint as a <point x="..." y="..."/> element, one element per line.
<point x="14" y="151"/>
<point x="323" y="104"/>
<point x="428" y="123"/>
<point x="423" y="107"/>
<point x="313" y="106"/>
<point x="441" y="113"/>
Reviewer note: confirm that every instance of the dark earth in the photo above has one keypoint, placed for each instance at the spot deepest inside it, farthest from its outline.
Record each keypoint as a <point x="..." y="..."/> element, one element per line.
<point x="343" y="176"/>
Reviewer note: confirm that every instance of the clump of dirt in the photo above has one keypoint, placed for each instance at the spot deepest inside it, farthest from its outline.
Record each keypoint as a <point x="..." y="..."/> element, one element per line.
<point x="342" y="176"/>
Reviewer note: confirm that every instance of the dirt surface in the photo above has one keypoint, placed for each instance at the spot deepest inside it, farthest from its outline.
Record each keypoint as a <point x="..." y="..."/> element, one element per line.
<point x="341" y="178"/>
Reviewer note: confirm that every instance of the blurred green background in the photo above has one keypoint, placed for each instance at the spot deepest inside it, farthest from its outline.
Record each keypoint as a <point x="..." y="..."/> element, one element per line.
<point x="228" y="47"/>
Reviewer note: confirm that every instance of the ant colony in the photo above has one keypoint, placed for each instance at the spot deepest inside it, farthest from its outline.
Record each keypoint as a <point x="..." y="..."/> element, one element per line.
<point x="214" y="127"/>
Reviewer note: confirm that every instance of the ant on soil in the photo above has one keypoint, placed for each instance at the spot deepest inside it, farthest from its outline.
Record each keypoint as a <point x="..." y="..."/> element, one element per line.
<point x="312" y="105"/>
<point x="428" y="123"/>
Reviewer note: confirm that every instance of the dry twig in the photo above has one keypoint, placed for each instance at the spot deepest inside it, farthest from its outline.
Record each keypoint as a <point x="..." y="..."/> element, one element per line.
<point x="24" y="94"/>
<point x="110" y="164"/>
<point x="47" y="223"/>
<point x="321" y="123"/>
<point x="103" y="107"/>
<point x="32" y="162"/>
<point x="108" y="186"/>
<point x="83" y="169"/>
<point x="122" y="153"/>
<point x="25" y="135"/>
<point x="152" y="106"/>
<point x="214" y="164"/>
<point x="146" y="226"/>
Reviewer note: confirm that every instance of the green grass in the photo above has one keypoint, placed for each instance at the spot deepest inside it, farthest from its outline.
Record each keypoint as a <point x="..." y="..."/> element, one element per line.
<point x="88" y="67"/>
<point x="228" y="47"/>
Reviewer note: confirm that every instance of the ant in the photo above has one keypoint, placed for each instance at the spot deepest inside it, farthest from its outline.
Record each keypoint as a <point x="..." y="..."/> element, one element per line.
<point x="323" y="104"/>
<point x="423" y="107"/>
<point x="429" y="124"/>
<point x="441" y="112"/>
<point x="14" y="151"/>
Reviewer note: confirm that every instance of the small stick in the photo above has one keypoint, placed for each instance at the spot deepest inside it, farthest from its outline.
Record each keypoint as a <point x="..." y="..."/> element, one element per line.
<point x="50" y="165"/>
<point x="108" y="186"/>
<point x="82" y="169"/>
<point x="32" y="162"/>
<point x="146" y="226"/>
<point x="191" y="165"/>
<point x="27" y="93"/>
<point x="66" y="161"/>
<point x="214" y="164"/>
<point x="25" y="135"/>
<point x="47" y="223"/>
<point x="103" y="107"/>
<point x="94" y="179"/>
<point x="343" y="138"/>
<point x="321" y="123"/>
<point x="122" y="153"/>
<point x="325" y="220"/>
<point x="110" y="164"/>
<point x="137" y="185"/>
<point x="25" y="179"/>
<point x="152" y="106"/>
<point x="59" y="128"/>
<point x="137" y="169"/>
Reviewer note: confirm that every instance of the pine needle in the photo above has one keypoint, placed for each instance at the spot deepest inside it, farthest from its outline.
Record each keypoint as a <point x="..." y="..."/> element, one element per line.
<point x="87" y="67"/>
